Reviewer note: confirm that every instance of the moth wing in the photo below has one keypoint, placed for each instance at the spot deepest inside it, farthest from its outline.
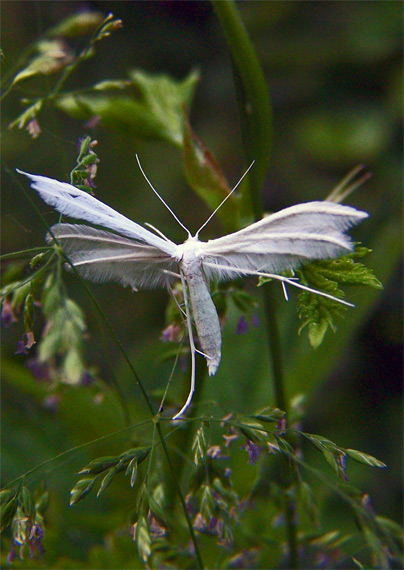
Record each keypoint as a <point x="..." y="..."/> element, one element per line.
<point x="78" y="204"/>
<point x="282" y="241"/>
<point x="102" y="256"/>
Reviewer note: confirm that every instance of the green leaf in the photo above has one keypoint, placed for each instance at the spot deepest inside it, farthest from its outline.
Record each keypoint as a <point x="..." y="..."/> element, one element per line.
<point x="78" y="24"/>
<point x="41" y="500"/>
<point x="322" y="443"/>
<point x="199" y="445"/>
<point x="318" y="313"/>
<point x="53" y="55"/>
<point x="155" y="502"/>
<point x="132" y="471"/>
<point x="109" y="84"/>
<point x="269" y="414"/>
<point x="138" y="453"/>
<point x="207" y="502"/>
<point x="65" y="332"/>
<point x="252" y="430"/>
<point x="8" y="512"/>
<point x="99" y="465"/>
<point x="27" y="502"/>
<point x="334" y="455"/>
<point x="108" y="26"/>
<point x="207" y="179"/>
<point x="73" y="366"/>
<point x="28" y="115"/>
<point x="6" y="495"/>
<point x="81" y="489"/>
<point x="364" y="458"/>
<point x="106" y="480"/>
<point x="157" y="114"/>
<point x="143" y="538"/>
<point x="377" y="547"/>
<point x="391" y="527"/>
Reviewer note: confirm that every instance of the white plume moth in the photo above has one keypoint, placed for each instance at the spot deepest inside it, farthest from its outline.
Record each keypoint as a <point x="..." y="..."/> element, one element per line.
<point x="137" y="257"/>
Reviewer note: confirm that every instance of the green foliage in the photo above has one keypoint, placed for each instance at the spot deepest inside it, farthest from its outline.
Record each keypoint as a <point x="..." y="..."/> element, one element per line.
<point x="109" y="467"/>
<point x="85" y="171"/>
<point x="22" y="512"/>
<point x="156" y="114"/>
<point x="318" y="313"/>
<point x="54" y="56"/>
<point x="336" y="456"/>
<point x="236" y="486"/>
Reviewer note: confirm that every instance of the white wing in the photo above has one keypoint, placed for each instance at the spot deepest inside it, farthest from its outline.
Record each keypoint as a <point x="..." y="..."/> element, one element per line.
<point x="282" y="241"/>
<point x="102" y="256"/>
<point x="78" y="204"/>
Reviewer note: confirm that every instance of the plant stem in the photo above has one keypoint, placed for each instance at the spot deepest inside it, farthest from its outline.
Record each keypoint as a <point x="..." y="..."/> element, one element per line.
<point x="256" y="125"/>
<point x="183" y="438"/>
<point x="181" y="497"/>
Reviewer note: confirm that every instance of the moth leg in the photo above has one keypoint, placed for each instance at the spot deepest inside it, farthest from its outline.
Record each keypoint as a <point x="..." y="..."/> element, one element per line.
<point x="285" y="291"/>
<point x="160" y="233"/>
<point x="193" y="350"/>
<point x="181" y="310"/>
<point x="290" y="280"/>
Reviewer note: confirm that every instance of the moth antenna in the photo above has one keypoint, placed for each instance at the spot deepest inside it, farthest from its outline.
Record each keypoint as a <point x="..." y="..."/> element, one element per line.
<point x="226" y="198"/>
<point x="193" y="350"/>
<point x="162" y="199"/>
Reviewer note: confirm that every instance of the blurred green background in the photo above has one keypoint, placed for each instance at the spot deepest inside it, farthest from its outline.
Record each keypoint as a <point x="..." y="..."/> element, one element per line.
<point x="334" y="70"/>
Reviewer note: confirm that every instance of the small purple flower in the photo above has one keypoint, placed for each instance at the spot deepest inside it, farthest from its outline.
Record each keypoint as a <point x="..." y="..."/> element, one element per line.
<point x="215" y="452"/>
<point x="229" y="438"/>
<point x="33" y="128"/>
<point x="52" y="402"/>
<point x="227" y="472"/>
<point x="7" y="314"/>
<point x="132" y="531"/>
<point x="21" y="349"/>
<point x="255" y="320"/>
<point x="155" y="526"/>
<point x="341" y="460"/>
<point x="367" y="503"/>
<point x="93" y="122"/>
<point x="242" y="325"/>
<point x="40" y="370"/>
<point x="12" y="555"/>
<point x="322" y="560"/>
<point x="172" y="333"/>
<point x="26" y="343"/>
<point x="199" y="523"/>
<point x="212" y="524"/>
<point x="281" y="426"/>
<point x="245" y="559"/>
<point x="86" y="379"/>
<point x="253" y="450"/>
<point x="35" y="541"/>
<point x="191" y="504"/>
<point x="278" y="520"/>
<point x="89" y="182"/>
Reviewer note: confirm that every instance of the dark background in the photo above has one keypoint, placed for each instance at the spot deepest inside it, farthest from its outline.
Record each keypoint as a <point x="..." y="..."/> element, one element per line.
<point x="334" y="70"/>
